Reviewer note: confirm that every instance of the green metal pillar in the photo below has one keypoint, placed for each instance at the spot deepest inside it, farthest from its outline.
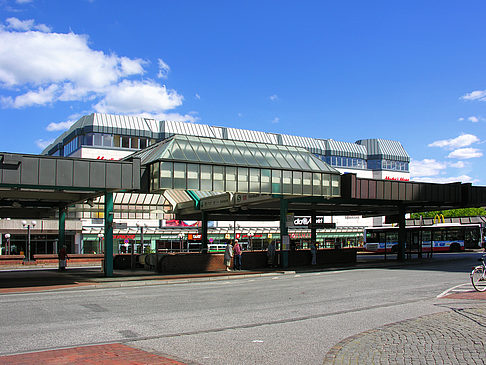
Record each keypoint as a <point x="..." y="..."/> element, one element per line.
<point x="313" y="227"/>
<point x="284" y="233"/>
<point x="204" y="232"/>
<point x="62" y="228"/>
<point x="108" y="265"/>
<point x="402" y="233"/>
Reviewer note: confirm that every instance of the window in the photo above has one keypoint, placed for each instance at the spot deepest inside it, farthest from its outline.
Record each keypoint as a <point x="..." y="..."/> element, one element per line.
<point x="88" y="139"/>
<point x="98" y="140"/>
<point x="107" y="140"/>
<point x="134" y="143"/>
<point x="116" y="141"/>
<point x="125" y="142"/>
<point x="143" y="143"/>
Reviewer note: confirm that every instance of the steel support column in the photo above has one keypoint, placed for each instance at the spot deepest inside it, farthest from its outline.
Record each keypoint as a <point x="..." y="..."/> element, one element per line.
<point x="284" y="232"/>
<point x="108" y="262"/>
<point x="402" y="233"/>
<point x="313" y="227"/>
<point x="204" y="232"/>
<point x="62" y="228"/>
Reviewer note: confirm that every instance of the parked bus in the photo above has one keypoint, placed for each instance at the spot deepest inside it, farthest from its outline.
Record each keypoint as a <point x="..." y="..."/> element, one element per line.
<point x="442" y="237"/>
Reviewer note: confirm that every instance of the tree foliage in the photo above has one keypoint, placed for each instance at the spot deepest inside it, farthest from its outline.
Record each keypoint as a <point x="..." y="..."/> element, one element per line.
<point x="453" y="213"/>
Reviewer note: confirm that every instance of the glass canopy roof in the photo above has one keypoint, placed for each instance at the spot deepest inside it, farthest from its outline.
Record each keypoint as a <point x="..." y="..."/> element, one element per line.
<point x="192" y="149"/>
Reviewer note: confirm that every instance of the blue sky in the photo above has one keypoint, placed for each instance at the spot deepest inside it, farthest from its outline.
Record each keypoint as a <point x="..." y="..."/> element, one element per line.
<point x="411" y="71"/>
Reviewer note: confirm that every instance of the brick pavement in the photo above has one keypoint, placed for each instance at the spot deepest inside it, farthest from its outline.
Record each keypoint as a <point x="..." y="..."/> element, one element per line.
<point x="112" y="354"/>
<point x="453" y="337"/>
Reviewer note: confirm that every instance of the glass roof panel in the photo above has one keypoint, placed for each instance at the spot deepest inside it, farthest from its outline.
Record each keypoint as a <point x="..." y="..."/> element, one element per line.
<point x="281" y="159"/>
<point x="268" y="156"/>
<point x="224" y="152"/>
<point x="242" y="146"/>
<point x="188" y="151"/>
<point x="235" y="152"/>
<point x="201" y="153"/>
<point x="262" y="162"/>
<point x="213" y="153"/>
<point x="287" y="155"/>
<point x="177" y="153"/>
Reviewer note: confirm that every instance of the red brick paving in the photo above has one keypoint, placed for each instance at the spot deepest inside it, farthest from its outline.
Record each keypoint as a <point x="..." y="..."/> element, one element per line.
<point x="113" y="354"/>
<point x="475" y="295"/>
<point x="40" y="288"/>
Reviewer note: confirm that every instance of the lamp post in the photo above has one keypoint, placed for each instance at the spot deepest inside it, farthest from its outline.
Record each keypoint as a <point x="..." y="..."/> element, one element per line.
<point x="132" y="257"/>
<point x="100" y="238"/>
<point x="7" y="244"/>
<point x="250" y="236"/>
<point x="181" y="236"/>
<point x="28" y="225"/>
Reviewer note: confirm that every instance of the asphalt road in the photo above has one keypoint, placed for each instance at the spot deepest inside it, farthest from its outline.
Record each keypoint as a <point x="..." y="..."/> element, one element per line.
<point x="287" y="319"/>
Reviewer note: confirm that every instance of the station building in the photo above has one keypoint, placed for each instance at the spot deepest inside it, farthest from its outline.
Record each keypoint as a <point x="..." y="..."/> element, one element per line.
<point x="148" y="217"/>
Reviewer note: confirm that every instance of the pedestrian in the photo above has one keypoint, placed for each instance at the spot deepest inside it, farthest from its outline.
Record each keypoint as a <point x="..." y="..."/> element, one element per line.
<point x="237" y="256"/>
<point x="62" y="256"/>
<point x="314" y="253"/>
<point x="228" y="254"/>
<point x="271" y="254"/>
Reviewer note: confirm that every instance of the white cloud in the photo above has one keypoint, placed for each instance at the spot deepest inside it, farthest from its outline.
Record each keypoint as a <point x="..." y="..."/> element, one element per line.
<point x="42" y="143"/>
<point x="426" y="167"/>
<point x="138" y="97"/>
<point x="25" y="25"/>
<point x="446" y="180"/>
<point x="273" y="97"/>
<point x="40" y="97"/>
<point x="458" y="164"/>
<point x="475" y="95"/>
<point x="462" y="141"/>
<point x="189" y="117"/>
<point x="23" y="1"/>
<point x="61" y="126"/>
<point x="276" y="120"/>
<point x="465" y="153"/>
<point x="473" y="119"/>
<point x="163" y="69"/>
<point x="34" y="58"/>
<point x="460" y="119"/>
<point x="198" y="97"/>
<point x="240" y="115"/>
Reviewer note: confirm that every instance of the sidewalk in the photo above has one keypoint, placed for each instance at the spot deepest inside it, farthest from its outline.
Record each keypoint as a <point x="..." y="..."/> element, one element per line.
<point x="452" y="337"/>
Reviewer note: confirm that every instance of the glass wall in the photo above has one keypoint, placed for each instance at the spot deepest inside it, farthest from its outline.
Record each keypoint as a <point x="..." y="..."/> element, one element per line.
<point x="182" y="176"/>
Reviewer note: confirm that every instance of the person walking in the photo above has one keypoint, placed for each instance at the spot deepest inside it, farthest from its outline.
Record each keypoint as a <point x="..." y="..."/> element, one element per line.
<point x="228" y="254"/>
<point x="237" y="256"/>
<point x="62" y="256"/>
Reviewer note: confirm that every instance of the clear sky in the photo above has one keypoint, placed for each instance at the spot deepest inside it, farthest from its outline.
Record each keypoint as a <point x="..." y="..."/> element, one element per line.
<point x="412" y="71"/>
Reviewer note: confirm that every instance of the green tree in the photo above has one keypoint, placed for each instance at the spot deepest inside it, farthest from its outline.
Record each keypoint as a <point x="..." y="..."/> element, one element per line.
<point x="452" y="213"/>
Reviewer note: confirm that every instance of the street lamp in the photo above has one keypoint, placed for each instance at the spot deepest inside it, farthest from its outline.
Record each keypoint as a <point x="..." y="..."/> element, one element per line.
<point x="100" y="238"/>
<point x="132" y="257"/>
<point x="7" y="245"/>
<point x="250" y="236"/>
<point x="28" y="225"/>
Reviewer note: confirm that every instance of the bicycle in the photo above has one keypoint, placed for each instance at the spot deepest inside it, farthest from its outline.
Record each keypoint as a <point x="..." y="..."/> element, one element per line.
<point x="478" y="276"/>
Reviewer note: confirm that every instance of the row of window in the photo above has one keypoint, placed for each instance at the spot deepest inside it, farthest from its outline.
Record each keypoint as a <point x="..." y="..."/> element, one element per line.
<point x="388" y="165"/>
<point x="355" y="163"/>
<point x="187" y="176"/>
<point x="104" y="140"/>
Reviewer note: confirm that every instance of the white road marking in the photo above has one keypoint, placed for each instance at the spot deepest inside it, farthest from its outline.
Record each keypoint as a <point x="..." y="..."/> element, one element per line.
<point x="457" y="288"/>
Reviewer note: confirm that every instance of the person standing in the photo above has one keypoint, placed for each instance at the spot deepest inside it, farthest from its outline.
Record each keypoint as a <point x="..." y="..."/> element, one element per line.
<point x="228" y="254"/>
<point x="237" y="256"/>
<point x="271" y="254"/>
<point x="62" y="256"/>
<point x="314" y="253"/>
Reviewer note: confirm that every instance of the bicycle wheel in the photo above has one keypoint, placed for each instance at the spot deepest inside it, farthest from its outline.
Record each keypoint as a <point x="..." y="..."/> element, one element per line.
<point x="478" y="278"/>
